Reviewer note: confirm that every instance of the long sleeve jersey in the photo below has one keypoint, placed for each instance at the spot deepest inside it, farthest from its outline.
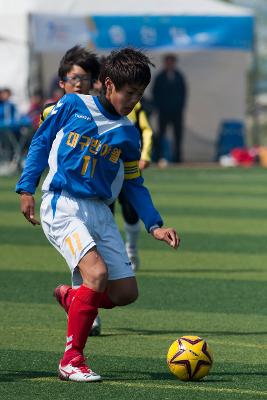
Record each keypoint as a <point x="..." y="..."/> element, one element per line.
<point x="91" y="154"/>
<point x="139" y="118"/>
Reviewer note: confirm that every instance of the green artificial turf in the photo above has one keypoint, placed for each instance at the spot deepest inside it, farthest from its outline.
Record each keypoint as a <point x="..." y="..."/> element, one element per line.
<point x="214" y="286"/>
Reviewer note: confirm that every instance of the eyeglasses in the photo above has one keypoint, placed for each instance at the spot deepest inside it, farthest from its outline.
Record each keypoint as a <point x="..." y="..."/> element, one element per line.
<point x="73" y="80"/>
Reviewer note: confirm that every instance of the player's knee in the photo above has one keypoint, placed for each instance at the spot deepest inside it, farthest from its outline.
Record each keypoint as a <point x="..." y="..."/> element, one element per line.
<point x="97" y="278"/>
<point x="101" y="275"/>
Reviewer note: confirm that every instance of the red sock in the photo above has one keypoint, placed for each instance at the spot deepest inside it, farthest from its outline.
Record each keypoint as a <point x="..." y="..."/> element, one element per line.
<point x="69" y="297"/>
<point x="82" y="313"/>
<point x="105" y="301"/>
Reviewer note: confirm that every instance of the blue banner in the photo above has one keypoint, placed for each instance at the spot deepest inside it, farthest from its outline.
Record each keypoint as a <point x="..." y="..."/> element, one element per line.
<point x="173" y="32"/>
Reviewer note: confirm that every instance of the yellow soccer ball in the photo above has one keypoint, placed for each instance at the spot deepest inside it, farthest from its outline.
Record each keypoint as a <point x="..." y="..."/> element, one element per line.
<point x="189" y="358"/>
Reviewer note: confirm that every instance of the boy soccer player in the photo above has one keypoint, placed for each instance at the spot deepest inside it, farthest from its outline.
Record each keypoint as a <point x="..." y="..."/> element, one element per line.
<point x="92" y="151"/>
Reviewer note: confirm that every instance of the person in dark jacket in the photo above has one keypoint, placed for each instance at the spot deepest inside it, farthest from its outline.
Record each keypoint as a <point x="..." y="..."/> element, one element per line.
<point x="169" y="96"/>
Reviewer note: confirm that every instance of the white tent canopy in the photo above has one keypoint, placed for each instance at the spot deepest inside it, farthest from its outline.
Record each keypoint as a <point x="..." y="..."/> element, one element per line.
<point x="212" y="59"/>
<point x="122" y="7"/>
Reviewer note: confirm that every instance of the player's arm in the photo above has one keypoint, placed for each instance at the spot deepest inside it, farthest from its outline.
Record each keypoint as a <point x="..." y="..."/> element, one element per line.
<point x="139" y="118"/>
<point x="37" y="158"/>
<point x="27" y="202"/>
<point x="147" y="134"/>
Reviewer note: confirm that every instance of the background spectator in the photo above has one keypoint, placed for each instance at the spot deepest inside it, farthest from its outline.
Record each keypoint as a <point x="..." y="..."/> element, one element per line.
<point x="9" y="115"/>
<point x="169" y="96"/>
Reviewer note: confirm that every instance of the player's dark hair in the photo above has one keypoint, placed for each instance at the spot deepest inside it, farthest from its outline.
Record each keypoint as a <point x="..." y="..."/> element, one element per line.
<point x="126" y="66"/>
<point x="78" y="55"/>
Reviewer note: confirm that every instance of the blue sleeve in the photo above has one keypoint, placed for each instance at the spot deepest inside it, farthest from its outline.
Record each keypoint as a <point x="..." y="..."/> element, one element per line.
<point x="37" y="158"/>
<point x="136" y="193"/>
<point x="139" y="197"/>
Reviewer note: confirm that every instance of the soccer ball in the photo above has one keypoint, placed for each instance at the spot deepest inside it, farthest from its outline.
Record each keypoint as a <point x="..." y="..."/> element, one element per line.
<point x="189" y="358"/>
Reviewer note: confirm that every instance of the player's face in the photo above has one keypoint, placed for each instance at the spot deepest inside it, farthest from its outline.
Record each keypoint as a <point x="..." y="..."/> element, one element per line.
<point x="124" y="99"/>
<point x="77" y="80"/>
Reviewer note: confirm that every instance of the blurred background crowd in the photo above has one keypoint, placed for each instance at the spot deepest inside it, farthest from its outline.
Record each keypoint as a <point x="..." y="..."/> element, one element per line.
<point x="207" y="101"/>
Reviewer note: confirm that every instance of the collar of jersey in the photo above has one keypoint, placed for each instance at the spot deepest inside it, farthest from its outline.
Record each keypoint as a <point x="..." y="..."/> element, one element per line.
<point x="104" y="111"/>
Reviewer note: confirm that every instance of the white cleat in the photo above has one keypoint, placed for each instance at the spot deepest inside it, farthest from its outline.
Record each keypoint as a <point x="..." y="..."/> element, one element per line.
<point x="96" y="327"/>
<point x="77" y="371"/>
<point x="133" y="256"/>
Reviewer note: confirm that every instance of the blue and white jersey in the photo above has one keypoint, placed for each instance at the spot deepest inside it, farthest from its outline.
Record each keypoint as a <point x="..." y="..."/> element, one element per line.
<point x="90" y="153"/>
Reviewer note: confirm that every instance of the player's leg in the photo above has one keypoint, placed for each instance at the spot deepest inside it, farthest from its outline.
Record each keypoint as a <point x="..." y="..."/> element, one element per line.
<point x="132" y="230"/>
<point x="84" y="306"/>
<point x="82" y="312"/>
<point x="76" y="282"/>
<point x="123" y="291"/>
<point x="64" y="295"/>
<point x="159" y="139"/>
<point x="66" y="230"/>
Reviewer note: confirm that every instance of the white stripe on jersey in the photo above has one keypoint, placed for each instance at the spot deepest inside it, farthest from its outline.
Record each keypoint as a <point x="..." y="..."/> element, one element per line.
<point x="116" y="184"/>
<point x="52" y="161"/>
<point x="103" y="123"/>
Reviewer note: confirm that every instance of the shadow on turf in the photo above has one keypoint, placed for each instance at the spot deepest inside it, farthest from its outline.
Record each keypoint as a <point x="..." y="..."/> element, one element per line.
<point x="214" y="377"/>
<point x="200" y="271"/>
<point x="149" y="332"/>
<point x="13" y="376"/>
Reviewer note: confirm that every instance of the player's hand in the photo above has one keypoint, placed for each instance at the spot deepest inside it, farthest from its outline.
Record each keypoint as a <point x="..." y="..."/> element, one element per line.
<point x="168" y="235"/>
<point x="27" y="206"/>
<point x="143" y="164"/>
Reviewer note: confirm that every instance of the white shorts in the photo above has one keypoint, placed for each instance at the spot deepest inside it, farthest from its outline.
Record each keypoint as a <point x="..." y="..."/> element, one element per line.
<point x="73" y="226"/>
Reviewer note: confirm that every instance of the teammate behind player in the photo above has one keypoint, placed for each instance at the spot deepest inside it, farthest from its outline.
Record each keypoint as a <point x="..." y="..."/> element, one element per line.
<point x="92" y="150"/>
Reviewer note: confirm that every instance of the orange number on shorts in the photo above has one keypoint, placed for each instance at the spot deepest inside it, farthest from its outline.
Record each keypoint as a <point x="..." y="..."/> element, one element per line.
<point x="77" y="240"/>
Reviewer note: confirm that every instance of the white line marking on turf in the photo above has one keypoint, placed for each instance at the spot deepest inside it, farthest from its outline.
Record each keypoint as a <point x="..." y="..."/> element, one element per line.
<point x="184" y="387"/>
<point x="180" y="386"/>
